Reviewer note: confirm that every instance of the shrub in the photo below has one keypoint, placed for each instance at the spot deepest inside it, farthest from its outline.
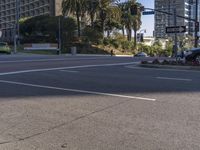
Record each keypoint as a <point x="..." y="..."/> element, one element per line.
<point x="126" y="45"/>
<point x="144" y="62"/>
<point x="106" y="41"/>
<point x="165" y="62"/>
<point x="115" y="43"/>
<point x="155" y="61"/>
<point x="92" y="35"/>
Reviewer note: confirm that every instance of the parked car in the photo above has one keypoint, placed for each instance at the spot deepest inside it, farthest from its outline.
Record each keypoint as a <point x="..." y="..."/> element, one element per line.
<point x="192" y="55"/>
<point x="141" y="54"/>
<point x="4" y="48"/>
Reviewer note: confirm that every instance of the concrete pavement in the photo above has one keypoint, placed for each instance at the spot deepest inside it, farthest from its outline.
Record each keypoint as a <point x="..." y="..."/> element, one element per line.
<point x="96" y="103"/>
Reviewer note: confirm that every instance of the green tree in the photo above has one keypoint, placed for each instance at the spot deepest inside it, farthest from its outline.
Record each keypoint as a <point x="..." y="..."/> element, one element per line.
<point x="129" y="21"/>
<point x="136" y="20"/>
<point x="108" y="9"/>
<point x="75" y="7"/>
<point x="92" y="8"/>
<point x="45" y="29"/>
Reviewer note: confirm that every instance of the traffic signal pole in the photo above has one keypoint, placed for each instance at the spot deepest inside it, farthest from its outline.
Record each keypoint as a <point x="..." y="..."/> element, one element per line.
<point x="183" y="17"/>
<point x="175" y="48"/>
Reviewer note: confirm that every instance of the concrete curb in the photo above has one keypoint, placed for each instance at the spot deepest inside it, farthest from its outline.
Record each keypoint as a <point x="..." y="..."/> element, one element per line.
<point x="170" y="67"/>
<point x="98" y="55"/>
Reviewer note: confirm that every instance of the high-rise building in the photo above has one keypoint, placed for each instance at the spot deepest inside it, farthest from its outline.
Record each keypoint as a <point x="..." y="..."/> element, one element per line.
<point x="184" y="8"/>
<point x="27" y="8"/>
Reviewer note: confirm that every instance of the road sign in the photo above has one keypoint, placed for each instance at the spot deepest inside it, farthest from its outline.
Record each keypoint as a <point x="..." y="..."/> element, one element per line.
<point x="176" y="29"/>
<point x="148" y="13"/>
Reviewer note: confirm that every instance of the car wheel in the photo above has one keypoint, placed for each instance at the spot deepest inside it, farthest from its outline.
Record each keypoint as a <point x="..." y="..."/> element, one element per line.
<point x="197" y="58"/>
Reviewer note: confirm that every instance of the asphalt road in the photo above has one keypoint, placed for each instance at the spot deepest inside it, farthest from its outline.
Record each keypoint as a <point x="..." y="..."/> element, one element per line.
<point x="96" y="103"/>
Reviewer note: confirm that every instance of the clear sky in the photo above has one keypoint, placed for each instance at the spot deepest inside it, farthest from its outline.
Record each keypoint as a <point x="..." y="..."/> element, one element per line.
<point x="147" y="21"/>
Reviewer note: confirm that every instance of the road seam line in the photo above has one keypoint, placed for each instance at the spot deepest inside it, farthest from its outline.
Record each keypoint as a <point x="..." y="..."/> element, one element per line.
<point x="69" y="71"/>
<point x="77" y="91"/>
<point x="160" y="69"/>
<point x="176" y="79"/>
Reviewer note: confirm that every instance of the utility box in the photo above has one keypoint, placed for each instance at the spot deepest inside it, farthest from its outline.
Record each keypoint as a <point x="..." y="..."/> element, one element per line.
<point x="73" y="50"/>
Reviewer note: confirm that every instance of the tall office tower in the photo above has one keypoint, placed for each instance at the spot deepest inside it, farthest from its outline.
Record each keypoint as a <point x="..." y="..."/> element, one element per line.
<point x="26" y="8"/>
<point x="181" y="7"/>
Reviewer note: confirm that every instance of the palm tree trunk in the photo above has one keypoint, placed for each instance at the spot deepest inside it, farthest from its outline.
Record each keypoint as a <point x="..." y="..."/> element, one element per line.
<point x="78" y="23"/>
<point x="123" y="31"/>
<point x="129" y="34"/>
<point x="92" y="19"/>
<point x="103" y="27"/>
<point x="135" y="38"/>
<point x="108" y="34"/>
<point x="130" y="38"/>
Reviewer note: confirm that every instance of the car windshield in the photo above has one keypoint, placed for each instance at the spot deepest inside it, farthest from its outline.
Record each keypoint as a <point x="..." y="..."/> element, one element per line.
<point x="2" y="44"/>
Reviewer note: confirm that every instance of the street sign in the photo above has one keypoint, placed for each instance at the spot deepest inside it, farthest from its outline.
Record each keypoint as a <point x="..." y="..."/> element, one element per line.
<point x="176" y="29"/>
<point x="148" y="13"/>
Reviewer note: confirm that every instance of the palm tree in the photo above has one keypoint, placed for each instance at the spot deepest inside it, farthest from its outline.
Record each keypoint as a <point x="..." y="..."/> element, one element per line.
<point x="127" y="18"/>
<point x="108" y="9"/>
<point x="92" y="9"/>
<point x="129" y="21"/>
<point x="136" y="24"/>
<point x="75" y="7"/>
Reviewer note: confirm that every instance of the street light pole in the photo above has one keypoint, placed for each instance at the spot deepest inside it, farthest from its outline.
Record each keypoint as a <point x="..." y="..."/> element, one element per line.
<point x="175" y="35"/>
<point x="59" y="34"/>
<point x="17" y="16"/>
<point x="196" y="23"/>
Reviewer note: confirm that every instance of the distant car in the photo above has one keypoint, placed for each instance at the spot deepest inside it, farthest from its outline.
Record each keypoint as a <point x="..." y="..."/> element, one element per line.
<point x="192" y="55"/>
<point x="141" y="54"/>
<point x="4" y="48"/>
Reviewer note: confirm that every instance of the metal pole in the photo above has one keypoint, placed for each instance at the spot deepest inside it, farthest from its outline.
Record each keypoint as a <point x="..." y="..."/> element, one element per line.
<point x="18" y="18"/>
<point x="59" y="24"/>
<point x="15" y="39"/>
<point x="196" y="26"/>
<point x="175" y="35"/>
<point x="16" y="26"/>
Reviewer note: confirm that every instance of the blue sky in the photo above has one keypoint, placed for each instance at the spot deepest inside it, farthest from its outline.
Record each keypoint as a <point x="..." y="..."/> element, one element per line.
<point x="147" y="21"/>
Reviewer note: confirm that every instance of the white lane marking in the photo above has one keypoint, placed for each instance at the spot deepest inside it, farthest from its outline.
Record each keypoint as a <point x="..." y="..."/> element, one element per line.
<point x="176" y="79"/>
<point x="159" y="69"/>
<point x="77" y="91"/>
<point x="44" y="60"/>
<point x="70" y="71"/>
<point x="65" y="68"/>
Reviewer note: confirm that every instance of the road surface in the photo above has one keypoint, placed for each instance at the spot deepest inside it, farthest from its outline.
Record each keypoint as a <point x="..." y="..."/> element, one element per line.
<point x="96" y="103"/>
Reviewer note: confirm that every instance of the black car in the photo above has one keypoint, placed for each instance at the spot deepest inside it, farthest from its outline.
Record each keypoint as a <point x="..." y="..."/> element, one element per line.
<point x="193" y="55"/>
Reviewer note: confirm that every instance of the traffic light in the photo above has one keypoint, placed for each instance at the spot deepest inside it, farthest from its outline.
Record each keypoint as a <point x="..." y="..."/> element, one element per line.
<point x="134" y="10"/>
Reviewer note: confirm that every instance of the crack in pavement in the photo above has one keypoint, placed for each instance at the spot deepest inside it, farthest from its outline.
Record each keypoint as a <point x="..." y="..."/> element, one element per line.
<point x="63" y="124"/>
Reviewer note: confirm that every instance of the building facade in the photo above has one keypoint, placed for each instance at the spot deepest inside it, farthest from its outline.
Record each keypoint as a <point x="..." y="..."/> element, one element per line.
<point x="181" y="7"/>
<point x="26" y="8"/>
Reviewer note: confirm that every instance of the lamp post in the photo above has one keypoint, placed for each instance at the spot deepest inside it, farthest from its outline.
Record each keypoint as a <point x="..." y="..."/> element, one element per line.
<point x="17" y="17"/>
<point x="59" y="34"/>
